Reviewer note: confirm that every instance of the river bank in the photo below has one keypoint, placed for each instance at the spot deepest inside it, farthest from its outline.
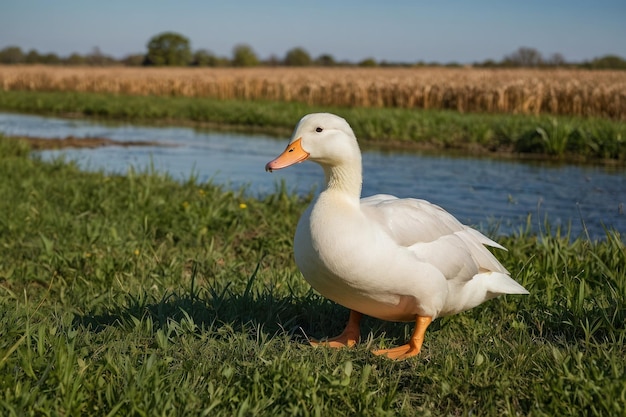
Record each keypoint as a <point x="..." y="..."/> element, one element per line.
<point x="559" y="138"/>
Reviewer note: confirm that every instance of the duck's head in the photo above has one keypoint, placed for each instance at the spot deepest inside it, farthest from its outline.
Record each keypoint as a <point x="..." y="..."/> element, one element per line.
<point x="319" y="137"/>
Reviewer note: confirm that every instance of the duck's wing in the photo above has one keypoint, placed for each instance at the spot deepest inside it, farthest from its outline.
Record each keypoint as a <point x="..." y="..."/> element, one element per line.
<point x="432" y="233"/>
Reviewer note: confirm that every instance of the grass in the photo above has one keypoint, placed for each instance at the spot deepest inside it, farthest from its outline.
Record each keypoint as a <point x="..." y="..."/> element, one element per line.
<point x="139" y="295"/>
<point x="562" y="137"/>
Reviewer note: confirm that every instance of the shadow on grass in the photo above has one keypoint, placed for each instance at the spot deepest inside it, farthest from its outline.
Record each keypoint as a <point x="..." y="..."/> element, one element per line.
<point x="301" y="317"/>
<point x="312" y="316"/>
<point x="212" y="307"/>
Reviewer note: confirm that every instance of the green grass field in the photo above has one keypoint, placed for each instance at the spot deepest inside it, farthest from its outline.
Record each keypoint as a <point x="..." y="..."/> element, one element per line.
<point x="136" y="295"/>
<point x="564" y="138"/>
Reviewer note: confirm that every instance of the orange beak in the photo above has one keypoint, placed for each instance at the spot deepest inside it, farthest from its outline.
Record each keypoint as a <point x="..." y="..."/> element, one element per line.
<point x="293" y="154"/>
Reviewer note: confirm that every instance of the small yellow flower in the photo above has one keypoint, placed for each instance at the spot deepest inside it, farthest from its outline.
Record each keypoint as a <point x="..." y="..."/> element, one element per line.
<point x="243" y="206"/>
<point x="201" y="192"/>
<point x="185" y="204"/>
<point x="137" y="252"/>
<point x="87" y="255"/>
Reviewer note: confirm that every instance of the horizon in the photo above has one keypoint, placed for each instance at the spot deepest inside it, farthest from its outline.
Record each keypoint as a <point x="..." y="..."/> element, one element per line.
<point x="406" y="32"/>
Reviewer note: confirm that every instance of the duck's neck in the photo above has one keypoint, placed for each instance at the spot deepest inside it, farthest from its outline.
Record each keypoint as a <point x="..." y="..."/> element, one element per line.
<point x="345" y="178"/>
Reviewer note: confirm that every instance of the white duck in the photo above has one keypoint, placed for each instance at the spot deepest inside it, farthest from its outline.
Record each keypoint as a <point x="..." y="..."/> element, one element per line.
<point x="393" y="259"/>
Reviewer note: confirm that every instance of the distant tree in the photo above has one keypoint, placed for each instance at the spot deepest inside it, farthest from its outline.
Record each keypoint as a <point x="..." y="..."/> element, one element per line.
<point x="168" y="49"/>
<point x="204" y="58"/>
<point x="11" y="55"/>
<point x="297" y="57"/>
<point x="32" y="57"/>
<point x="556" y="60"/>
<point x="50" y="59"/>
<point x="75" y="59"/>
<point x="133" y="60"/>
<point x="97" y="58"/>
<point x="222" y="61"/>
<point x="607" y="62"/>
<point x="244" y="56"/>
<point x="368" y="62"/>
<point x="325" y="60"/>
<point x="524" y="57"/>
<point x="488" y="63"/>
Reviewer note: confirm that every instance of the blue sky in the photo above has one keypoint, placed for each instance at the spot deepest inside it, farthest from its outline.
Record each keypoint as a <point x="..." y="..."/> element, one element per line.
<point x="407" y="31"/>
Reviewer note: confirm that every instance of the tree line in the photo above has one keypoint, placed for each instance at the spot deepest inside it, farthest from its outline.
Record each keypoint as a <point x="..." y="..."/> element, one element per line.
<point x="174" y="49"/>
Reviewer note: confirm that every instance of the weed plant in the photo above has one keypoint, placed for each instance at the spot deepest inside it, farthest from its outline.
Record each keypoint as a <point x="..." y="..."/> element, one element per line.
<point x="138" y="295"/>
<point x="561" y="137"/>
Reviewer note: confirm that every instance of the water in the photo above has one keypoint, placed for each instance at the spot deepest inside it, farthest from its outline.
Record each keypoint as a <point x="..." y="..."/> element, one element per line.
<point x="481" y="192"/>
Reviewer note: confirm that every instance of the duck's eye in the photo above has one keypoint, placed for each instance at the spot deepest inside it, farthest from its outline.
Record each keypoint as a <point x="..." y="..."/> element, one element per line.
<point x="319" y="129"/>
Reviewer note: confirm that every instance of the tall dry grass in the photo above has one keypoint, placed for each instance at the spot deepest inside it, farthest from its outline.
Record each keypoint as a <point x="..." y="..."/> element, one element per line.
<point x="527" y="91"/>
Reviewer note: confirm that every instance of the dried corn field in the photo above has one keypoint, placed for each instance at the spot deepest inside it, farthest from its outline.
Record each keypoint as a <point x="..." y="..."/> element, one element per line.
<point x="526" y="91"/>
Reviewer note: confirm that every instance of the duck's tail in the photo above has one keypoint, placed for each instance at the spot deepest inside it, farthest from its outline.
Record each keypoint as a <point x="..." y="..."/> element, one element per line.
<point x="498" y="284"/>
<point x="482" y="287"/>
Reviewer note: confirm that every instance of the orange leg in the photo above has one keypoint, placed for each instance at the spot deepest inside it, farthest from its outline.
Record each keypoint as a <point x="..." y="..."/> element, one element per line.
<point x="348" y="338"/>
<point x="415" y="342"/>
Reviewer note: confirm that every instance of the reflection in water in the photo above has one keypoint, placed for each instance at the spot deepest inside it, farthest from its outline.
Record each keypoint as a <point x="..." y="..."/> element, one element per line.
<point x="481" y="192"/>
